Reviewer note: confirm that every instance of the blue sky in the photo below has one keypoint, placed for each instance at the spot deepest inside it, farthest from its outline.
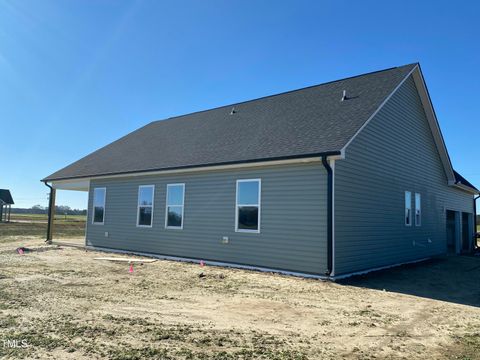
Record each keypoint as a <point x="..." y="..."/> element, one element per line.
<point x="76" y="75"/>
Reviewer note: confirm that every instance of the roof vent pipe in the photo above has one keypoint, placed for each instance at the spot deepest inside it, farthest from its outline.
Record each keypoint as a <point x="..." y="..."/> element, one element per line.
<point x="233" y="111"/>
<point x="344" y="96"/>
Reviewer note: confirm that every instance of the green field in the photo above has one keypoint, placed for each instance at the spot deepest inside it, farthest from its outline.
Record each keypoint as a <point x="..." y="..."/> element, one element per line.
<point x="36" y="225"/>
<point x="44" y="217"/>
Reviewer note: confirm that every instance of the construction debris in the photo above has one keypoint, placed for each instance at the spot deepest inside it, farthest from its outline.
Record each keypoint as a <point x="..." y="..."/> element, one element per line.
<point x="129" y="260"/>
<point x="22" y="250"/>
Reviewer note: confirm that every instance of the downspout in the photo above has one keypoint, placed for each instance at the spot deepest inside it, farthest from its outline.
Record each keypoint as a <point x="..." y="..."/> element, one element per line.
<point x="49" y="221"/>
<point x="475" y="247"/>
<point x="327" y="167"/>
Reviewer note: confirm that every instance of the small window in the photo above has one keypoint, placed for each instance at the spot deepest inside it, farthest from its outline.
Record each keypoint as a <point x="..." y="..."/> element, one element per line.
<point x="145" y="205"/>
<point x="248" y="206"/>
<point x="418" y="210"/>
<point x="99" y="205"/>
<point x="408" y="208"/>
<point x="174" y="210"/>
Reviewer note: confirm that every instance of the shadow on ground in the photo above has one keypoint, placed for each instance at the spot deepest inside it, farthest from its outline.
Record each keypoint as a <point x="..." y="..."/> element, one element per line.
<point x="454" y="279"/>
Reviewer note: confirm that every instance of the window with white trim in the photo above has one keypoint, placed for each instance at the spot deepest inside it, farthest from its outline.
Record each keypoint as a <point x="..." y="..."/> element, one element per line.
<point x="247" y="217"/>
<point x="99" y="195"/>
<point x="408" y="208"/>
<point x="418" y="209"/>
<point x="145" y="205"/>
<point x="174" y="206"/>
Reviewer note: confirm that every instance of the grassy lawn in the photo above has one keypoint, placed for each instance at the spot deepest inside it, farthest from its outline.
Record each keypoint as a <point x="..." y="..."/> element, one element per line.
<point x="67" y="305"/>
<point x="44" y="217"/>
<point x="72" y="227"/>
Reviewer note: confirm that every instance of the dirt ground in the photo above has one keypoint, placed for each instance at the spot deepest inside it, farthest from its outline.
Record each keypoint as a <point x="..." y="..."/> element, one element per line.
<point x="61" y="303"/>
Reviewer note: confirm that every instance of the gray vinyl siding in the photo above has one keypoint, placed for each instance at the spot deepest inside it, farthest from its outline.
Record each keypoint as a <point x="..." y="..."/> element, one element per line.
<point x="394" y="153"/>
<point x="293" y="218"/>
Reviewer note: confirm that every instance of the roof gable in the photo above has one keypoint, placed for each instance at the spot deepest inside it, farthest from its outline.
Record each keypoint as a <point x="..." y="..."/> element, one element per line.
<point x="6" y="197"/>
<point x="301" y="123"/>
<point x="416" y="73"/>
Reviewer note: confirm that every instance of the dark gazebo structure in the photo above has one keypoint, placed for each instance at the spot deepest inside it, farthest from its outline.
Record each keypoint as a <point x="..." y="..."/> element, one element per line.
<point x="6" y="202"/>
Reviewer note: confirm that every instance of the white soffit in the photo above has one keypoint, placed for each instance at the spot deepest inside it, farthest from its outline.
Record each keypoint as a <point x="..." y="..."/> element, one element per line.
<point x="79" y="185"/>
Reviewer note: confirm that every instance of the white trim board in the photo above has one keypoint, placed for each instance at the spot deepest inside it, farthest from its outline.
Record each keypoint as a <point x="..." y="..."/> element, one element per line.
<point x="59" y="183"/>
<point x="433" y="122"/>
<point x="462" y="187"/>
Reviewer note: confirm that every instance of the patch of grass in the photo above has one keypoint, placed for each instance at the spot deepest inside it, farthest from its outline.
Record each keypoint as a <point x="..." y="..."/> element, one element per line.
<point x="176" y="332"/>
<point x="127" y="320"/>
<point x="156" y="340"/>
<point x="368" y="312"/>
<point x="7" y="322"/>
<point x="9" y="231"/>
<point x="44" y="217"/>
<point x="467" y="347"/>
<point x="9" y="300"/>
<point x="33" y="340"/>
<point x="150" y="352"/>
<point x="130" y="353"/>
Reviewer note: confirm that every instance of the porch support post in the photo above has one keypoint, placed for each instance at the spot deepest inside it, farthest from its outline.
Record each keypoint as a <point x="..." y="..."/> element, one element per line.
<point x="51" y="214"/>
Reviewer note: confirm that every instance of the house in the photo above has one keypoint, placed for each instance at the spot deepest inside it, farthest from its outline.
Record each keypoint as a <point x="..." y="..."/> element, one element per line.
<point x="6" y="202"/>
<point x="325" y="181"/>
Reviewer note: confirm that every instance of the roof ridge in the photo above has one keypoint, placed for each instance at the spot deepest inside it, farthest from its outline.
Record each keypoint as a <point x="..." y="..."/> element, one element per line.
<point x="284" y="92"/>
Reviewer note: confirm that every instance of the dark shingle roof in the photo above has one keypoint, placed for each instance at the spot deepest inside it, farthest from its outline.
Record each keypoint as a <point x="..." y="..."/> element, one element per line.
<point x="459" y="179"/>
<point x="304" y="122"/>
<point x="6" y="197"/>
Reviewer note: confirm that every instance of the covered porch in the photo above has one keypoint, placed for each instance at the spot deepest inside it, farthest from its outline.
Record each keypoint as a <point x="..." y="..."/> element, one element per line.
<point x="57" y="237"/>
<point x="6" y="202"/>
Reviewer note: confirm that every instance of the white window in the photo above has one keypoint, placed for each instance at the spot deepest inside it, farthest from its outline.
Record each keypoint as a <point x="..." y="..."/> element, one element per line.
<point x="145" y="205"/>
<point x="247" y="217"/>
<point x="408" y="208"/>
<point x="174" y="208"/>
<point x="418" y="210"/>
<point x="99" y="205"/>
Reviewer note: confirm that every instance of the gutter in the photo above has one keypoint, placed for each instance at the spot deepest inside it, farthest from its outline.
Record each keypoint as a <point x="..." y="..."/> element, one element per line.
<point x="327" y="167"/>
<point x="475" y="247"/>
<point x="196" y="167"/>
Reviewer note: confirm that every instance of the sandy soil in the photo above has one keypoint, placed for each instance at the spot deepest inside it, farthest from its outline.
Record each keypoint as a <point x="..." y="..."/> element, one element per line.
<point x="65" y="305"/>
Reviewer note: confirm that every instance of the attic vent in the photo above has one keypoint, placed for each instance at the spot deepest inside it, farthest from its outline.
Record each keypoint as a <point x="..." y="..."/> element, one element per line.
<point x="344" y="96"/>
<point x="233" y="111"/>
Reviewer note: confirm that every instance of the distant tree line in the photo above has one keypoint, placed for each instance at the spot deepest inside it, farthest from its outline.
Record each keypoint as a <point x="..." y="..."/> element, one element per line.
<point x="59" y="209"/>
